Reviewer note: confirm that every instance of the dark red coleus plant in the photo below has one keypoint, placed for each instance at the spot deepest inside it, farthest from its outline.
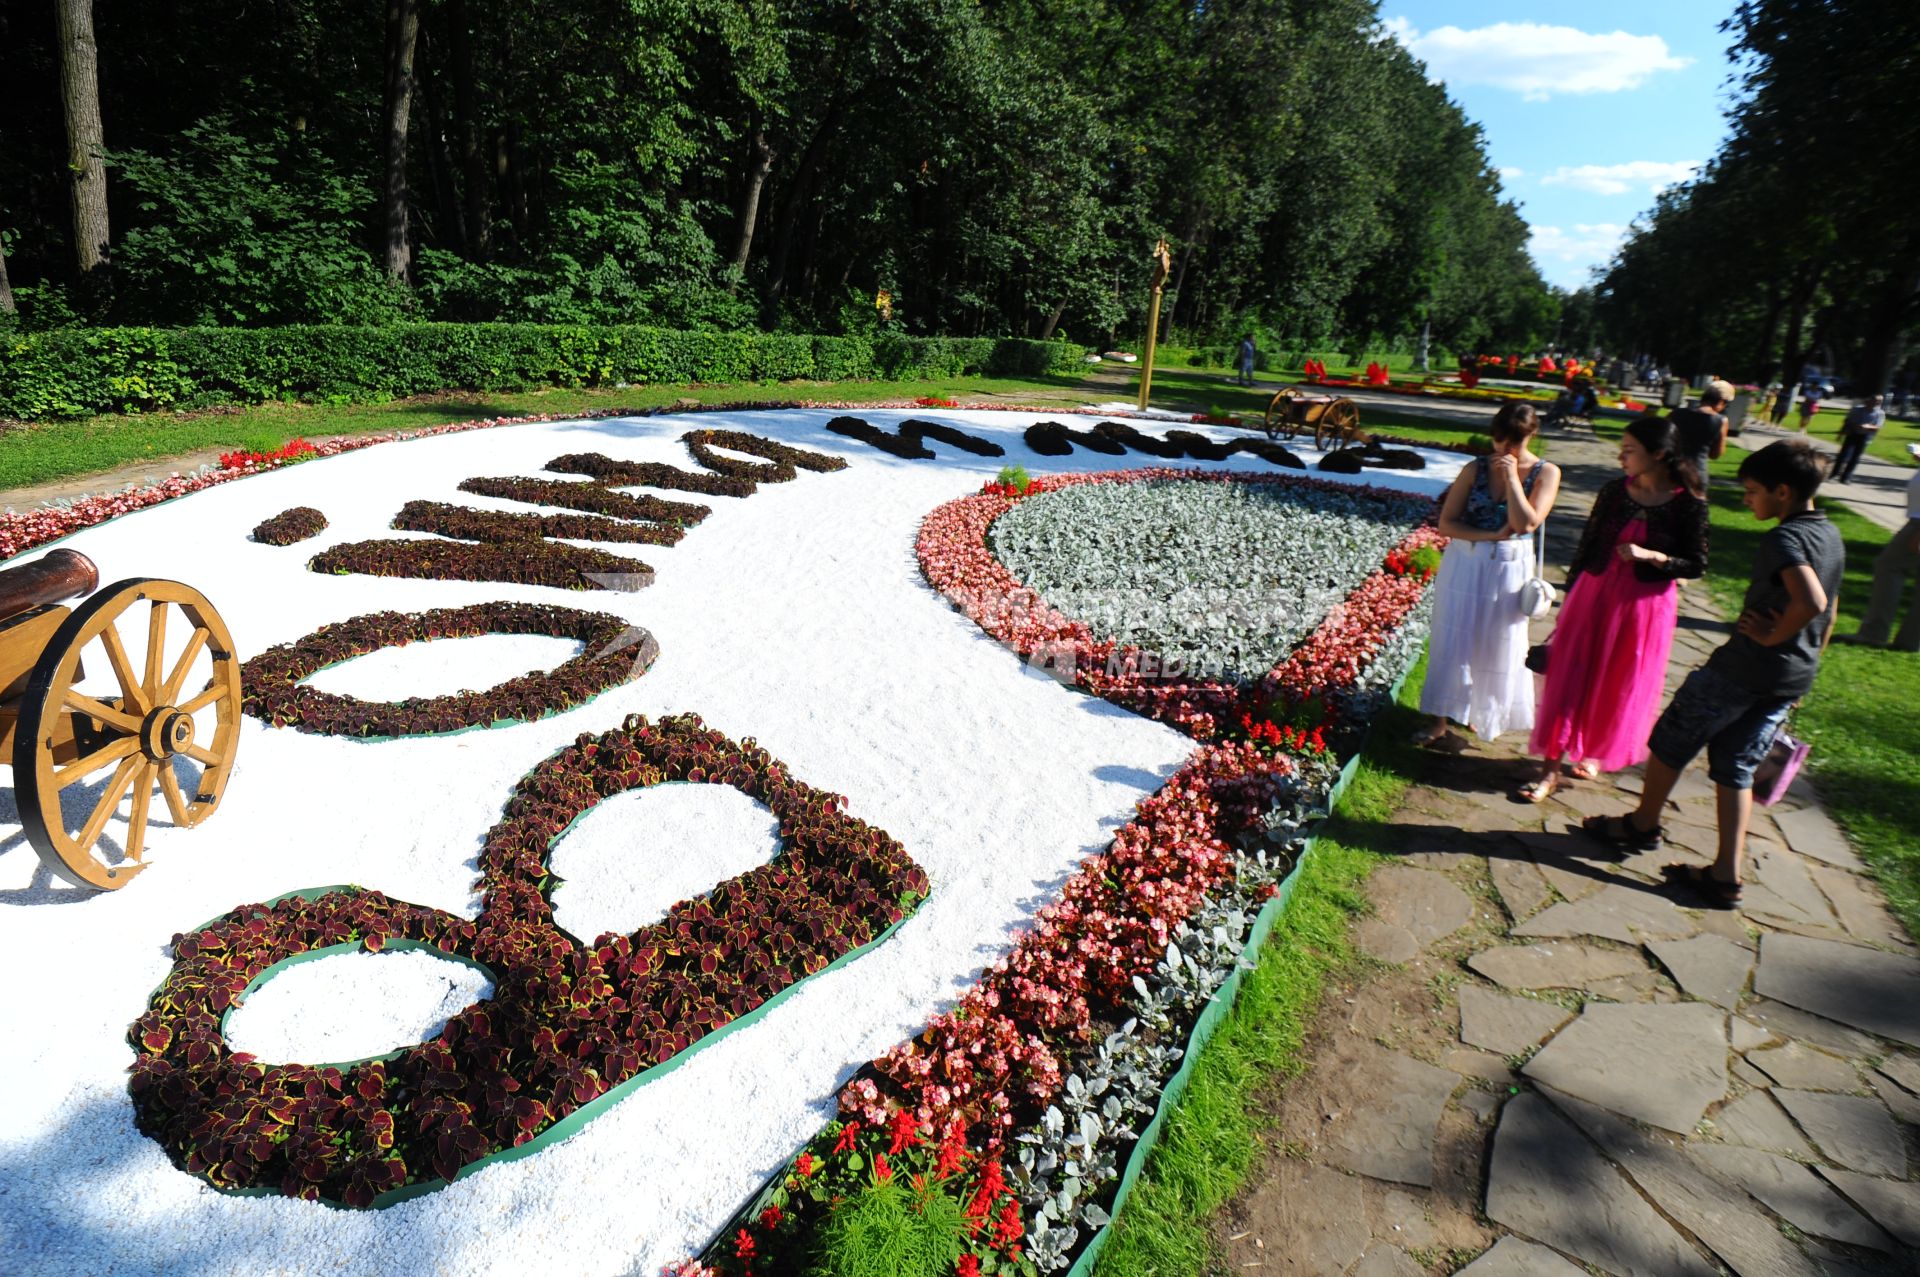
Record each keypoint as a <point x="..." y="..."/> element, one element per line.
<point x="567" y="1022"/>
<point x="289" y="526"/>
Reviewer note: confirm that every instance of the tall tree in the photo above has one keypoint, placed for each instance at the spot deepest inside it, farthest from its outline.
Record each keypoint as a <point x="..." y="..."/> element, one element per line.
<point x="86" y="138"/>
<point x="403" y="32"/>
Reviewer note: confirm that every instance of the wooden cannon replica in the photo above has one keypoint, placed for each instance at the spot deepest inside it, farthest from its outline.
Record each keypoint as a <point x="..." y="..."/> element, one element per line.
<point x="1333" y="419"/>
<point x="134" y="717"/>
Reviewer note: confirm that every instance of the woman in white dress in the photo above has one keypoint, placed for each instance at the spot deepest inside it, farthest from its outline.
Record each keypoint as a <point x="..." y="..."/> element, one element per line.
<point x="1476" y="662"/>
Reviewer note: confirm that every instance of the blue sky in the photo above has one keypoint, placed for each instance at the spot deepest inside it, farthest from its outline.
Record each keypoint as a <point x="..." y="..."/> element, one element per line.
<point x="1587" y="112"/>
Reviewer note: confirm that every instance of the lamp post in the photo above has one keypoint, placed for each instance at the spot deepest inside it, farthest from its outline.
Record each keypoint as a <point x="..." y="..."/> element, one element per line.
<point x="1162" y="267"/>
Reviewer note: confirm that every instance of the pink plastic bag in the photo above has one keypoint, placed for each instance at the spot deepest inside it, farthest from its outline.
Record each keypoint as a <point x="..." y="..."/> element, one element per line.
<point x="1779" y="767"/>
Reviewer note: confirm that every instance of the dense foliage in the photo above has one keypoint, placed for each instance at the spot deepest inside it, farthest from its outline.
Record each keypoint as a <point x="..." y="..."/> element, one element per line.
<point x="1794" y="245"/>
<point x="922" y="166"/>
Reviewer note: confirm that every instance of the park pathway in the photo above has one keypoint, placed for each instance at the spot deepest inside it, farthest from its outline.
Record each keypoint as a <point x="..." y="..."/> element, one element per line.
<point x="1551" y="1067"/>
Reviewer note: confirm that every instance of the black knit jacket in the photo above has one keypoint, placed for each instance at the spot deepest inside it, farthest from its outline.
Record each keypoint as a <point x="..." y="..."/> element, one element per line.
<point x="1677" y="529"/>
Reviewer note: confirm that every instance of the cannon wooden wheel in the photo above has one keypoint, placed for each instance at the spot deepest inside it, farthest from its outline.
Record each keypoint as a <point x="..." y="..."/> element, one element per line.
<point x="1283" y="412"/>
<point x="130" y="727"/>
<point x="1339" y="422"/>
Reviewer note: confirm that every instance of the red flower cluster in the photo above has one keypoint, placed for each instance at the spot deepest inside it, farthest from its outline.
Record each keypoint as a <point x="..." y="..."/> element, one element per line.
<point x="1314" y="370"/>
<point x="1284" y="736"/>
<point x="292" y="451"/>
<point x="934" y="401"/>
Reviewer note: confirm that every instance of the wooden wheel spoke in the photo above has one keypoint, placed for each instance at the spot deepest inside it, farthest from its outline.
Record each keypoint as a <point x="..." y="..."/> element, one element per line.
<point x="170" y="691"/>
<point x="176" y="801"/>
<point x="101" y="710"/>
<point x="199" y="755"/>
<point x="136" y="696"/>
<point x="110" y="800"/>
<point x="156" y="651"/>
<point x="137" y="819"/>
<point x="80" y="768"/>
<point x="215" y="692"/>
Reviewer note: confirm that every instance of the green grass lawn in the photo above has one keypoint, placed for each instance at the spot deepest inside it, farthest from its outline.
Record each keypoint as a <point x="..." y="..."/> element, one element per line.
<point x="38" y="454"/>
<point x="1860" y="716"/>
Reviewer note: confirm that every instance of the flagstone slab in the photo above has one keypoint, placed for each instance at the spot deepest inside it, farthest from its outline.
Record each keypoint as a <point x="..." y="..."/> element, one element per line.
<point x="1870" y="990"/>
<point x="1426" y="904"/>
<point x="1615" y="912"/>
<point x="1862" y="911"/>
<point x="1552" y="966"/>
<point x="1853" y="1130"/>
<point x="1786" y="891"/>
<point x="1746" y="1035"/>
<point x="1504" y="1024"/>
<point x="1903" y="1104"/>
<point x="1661" y="1064"/>
<point x="1811" y="832"/>
<point x="1794" y="1193"/>
<point x="1707" y="967"/>
<point x="1805" y="1068"/>
<point x="1522" y="887"/>
<point x="1314" y="1221"/>
<point x="1756" y="1120"/>
<point x="1392" y="1137"/>
<point x="1894" y="1206"/>
<point x="1712" y="1210"/>
<point x="1385" y="942"/>
<point x="1548" y="1182"/>
<point x="1513" y="1257"/>
<point x="1384" y="1260"/>
<point x="1904" y="1069"/>
<point x="1792" y="1022"/>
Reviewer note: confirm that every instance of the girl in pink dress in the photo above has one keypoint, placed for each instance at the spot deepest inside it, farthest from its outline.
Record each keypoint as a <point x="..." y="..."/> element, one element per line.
<point x="1608" y="660"/>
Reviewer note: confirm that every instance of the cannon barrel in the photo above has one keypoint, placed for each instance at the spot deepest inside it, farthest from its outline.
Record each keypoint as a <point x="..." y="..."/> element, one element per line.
<point x="55" y="575"/>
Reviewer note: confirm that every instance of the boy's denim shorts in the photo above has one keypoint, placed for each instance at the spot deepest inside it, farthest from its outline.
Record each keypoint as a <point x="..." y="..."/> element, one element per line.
<point x="1735" y="725"/>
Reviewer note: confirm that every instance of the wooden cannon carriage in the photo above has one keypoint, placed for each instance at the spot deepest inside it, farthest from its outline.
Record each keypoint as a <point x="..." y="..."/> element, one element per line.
<point x="1333" y="419"/>
<point x="137" y="715"/>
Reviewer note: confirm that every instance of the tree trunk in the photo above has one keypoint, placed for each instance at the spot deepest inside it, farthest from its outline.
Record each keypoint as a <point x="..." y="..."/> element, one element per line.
<point x="1053" y="322"/>
<point x="403" y="30"/>
<point x="760" y="157"/>
<point x="473" y="156"/>
<point x="1763" y="364"/>
<point x="1891" y="315"/>
<point x="446" y="191"/>
<point x="87" y="172"/>
<point x="6" y="288"/>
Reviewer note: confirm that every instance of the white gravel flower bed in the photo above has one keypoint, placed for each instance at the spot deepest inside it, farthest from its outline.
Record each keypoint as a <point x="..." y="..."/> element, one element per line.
<point x="349" y="1006"/>
<point x="796" y="616"/>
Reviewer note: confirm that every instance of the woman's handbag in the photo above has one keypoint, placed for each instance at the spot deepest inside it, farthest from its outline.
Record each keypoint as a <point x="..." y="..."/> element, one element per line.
<point x="1536" y="593"/>
<point x="1779" y="767"/>
<point x="1537" y="657"/>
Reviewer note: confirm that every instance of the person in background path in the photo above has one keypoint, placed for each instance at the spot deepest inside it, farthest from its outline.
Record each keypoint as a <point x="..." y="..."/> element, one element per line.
<point x="1702" y="431"/>
<point x="1615" y="632"/>
<point x="1734" y="705"/>
<point x="1476" y="664"/>
<point x="1897" y="564"/>
<point x="1861" y="425"/>
<point x="1244" y="361"/>
<point x="1809" y="404"/>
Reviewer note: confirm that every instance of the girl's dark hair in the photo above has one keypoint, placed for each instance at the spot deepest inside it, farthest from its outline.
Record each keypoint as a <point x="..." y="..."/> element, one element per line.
<point x="1658" y="436"/>
<point x="1514" y="422"/>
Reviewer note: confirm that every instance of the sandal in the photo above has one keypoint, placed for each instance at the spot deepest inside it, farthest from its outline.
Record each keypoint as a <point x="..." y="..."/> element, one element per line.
<point x="1619" y="832"/>
<point x="1538" y="790"/>
<point x="1586" y="769"/>
<point x="1714" y="893"/>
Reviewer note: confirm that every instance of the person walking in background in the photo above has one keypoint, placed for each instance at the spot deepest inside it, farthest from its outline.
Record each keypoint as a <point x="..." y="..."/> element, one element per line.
<point x="1476" y="664"/>
<point x="1734" y="705"/>
<point x="1897" y="564"/>
<point x="1809" y="404"/>
<point x="1701" y="432"/>
<point x="1244" y="360"/>
<point x="1609" y="652"/>
<point x="1861" y="425"/>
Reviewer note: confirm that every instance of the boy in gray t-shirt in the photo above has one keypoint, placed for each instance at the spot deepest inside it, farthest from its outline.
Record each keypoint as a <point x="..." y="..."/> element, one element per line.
<point x="1733" y="705"/>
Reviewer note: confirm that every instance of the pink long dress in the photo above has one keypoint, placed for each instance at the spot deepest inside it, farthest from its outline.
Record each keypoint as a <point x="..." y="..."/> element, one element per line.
<point x="1609" y="665"/>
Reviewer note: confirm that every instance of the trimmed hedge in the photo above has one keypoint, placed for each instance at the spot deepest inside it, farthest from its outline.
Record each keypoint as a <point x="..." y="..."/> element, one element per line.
<point x="78" y="372"/>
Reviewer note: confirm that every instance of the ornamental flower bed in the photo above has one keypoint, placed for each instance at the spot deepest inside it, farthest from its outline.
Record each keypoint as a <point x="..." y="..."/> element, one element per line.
<point x="275" y="690"/>
<point x="908" y="439"/>
<point x="301" y="523"/>
<point x="1056" y="1057"/>
<point x="569" y="1023"/>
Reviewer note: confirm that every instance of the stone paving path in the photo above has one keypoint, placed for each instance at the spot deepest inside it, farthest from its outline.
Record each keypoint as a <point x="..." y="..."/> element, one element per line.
<point x="1555" y="1067"/>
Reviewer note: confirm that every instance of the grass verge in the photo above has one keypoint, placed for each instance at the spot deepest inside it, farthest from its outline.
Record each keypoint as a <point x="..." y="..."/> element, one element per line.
<point x="1212" y="1138"/>
<point x="1859" y="717"/>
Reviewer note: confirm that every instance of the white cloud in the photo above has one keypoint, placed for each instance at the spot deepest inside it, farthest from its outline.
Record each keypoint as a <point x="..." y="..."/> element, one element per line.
<point x="1583" y="244"/>
<point x="1536" y="60"/>
<point x="1508" y="173"/>
<point x="1653" y="176"/>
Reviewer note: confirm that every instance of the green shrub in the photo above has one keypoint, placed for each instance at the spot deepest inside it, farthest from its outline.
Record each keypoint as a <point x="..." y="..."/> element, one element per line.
<point x="77" y="372"/>
<point x="888" y="1230"/>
